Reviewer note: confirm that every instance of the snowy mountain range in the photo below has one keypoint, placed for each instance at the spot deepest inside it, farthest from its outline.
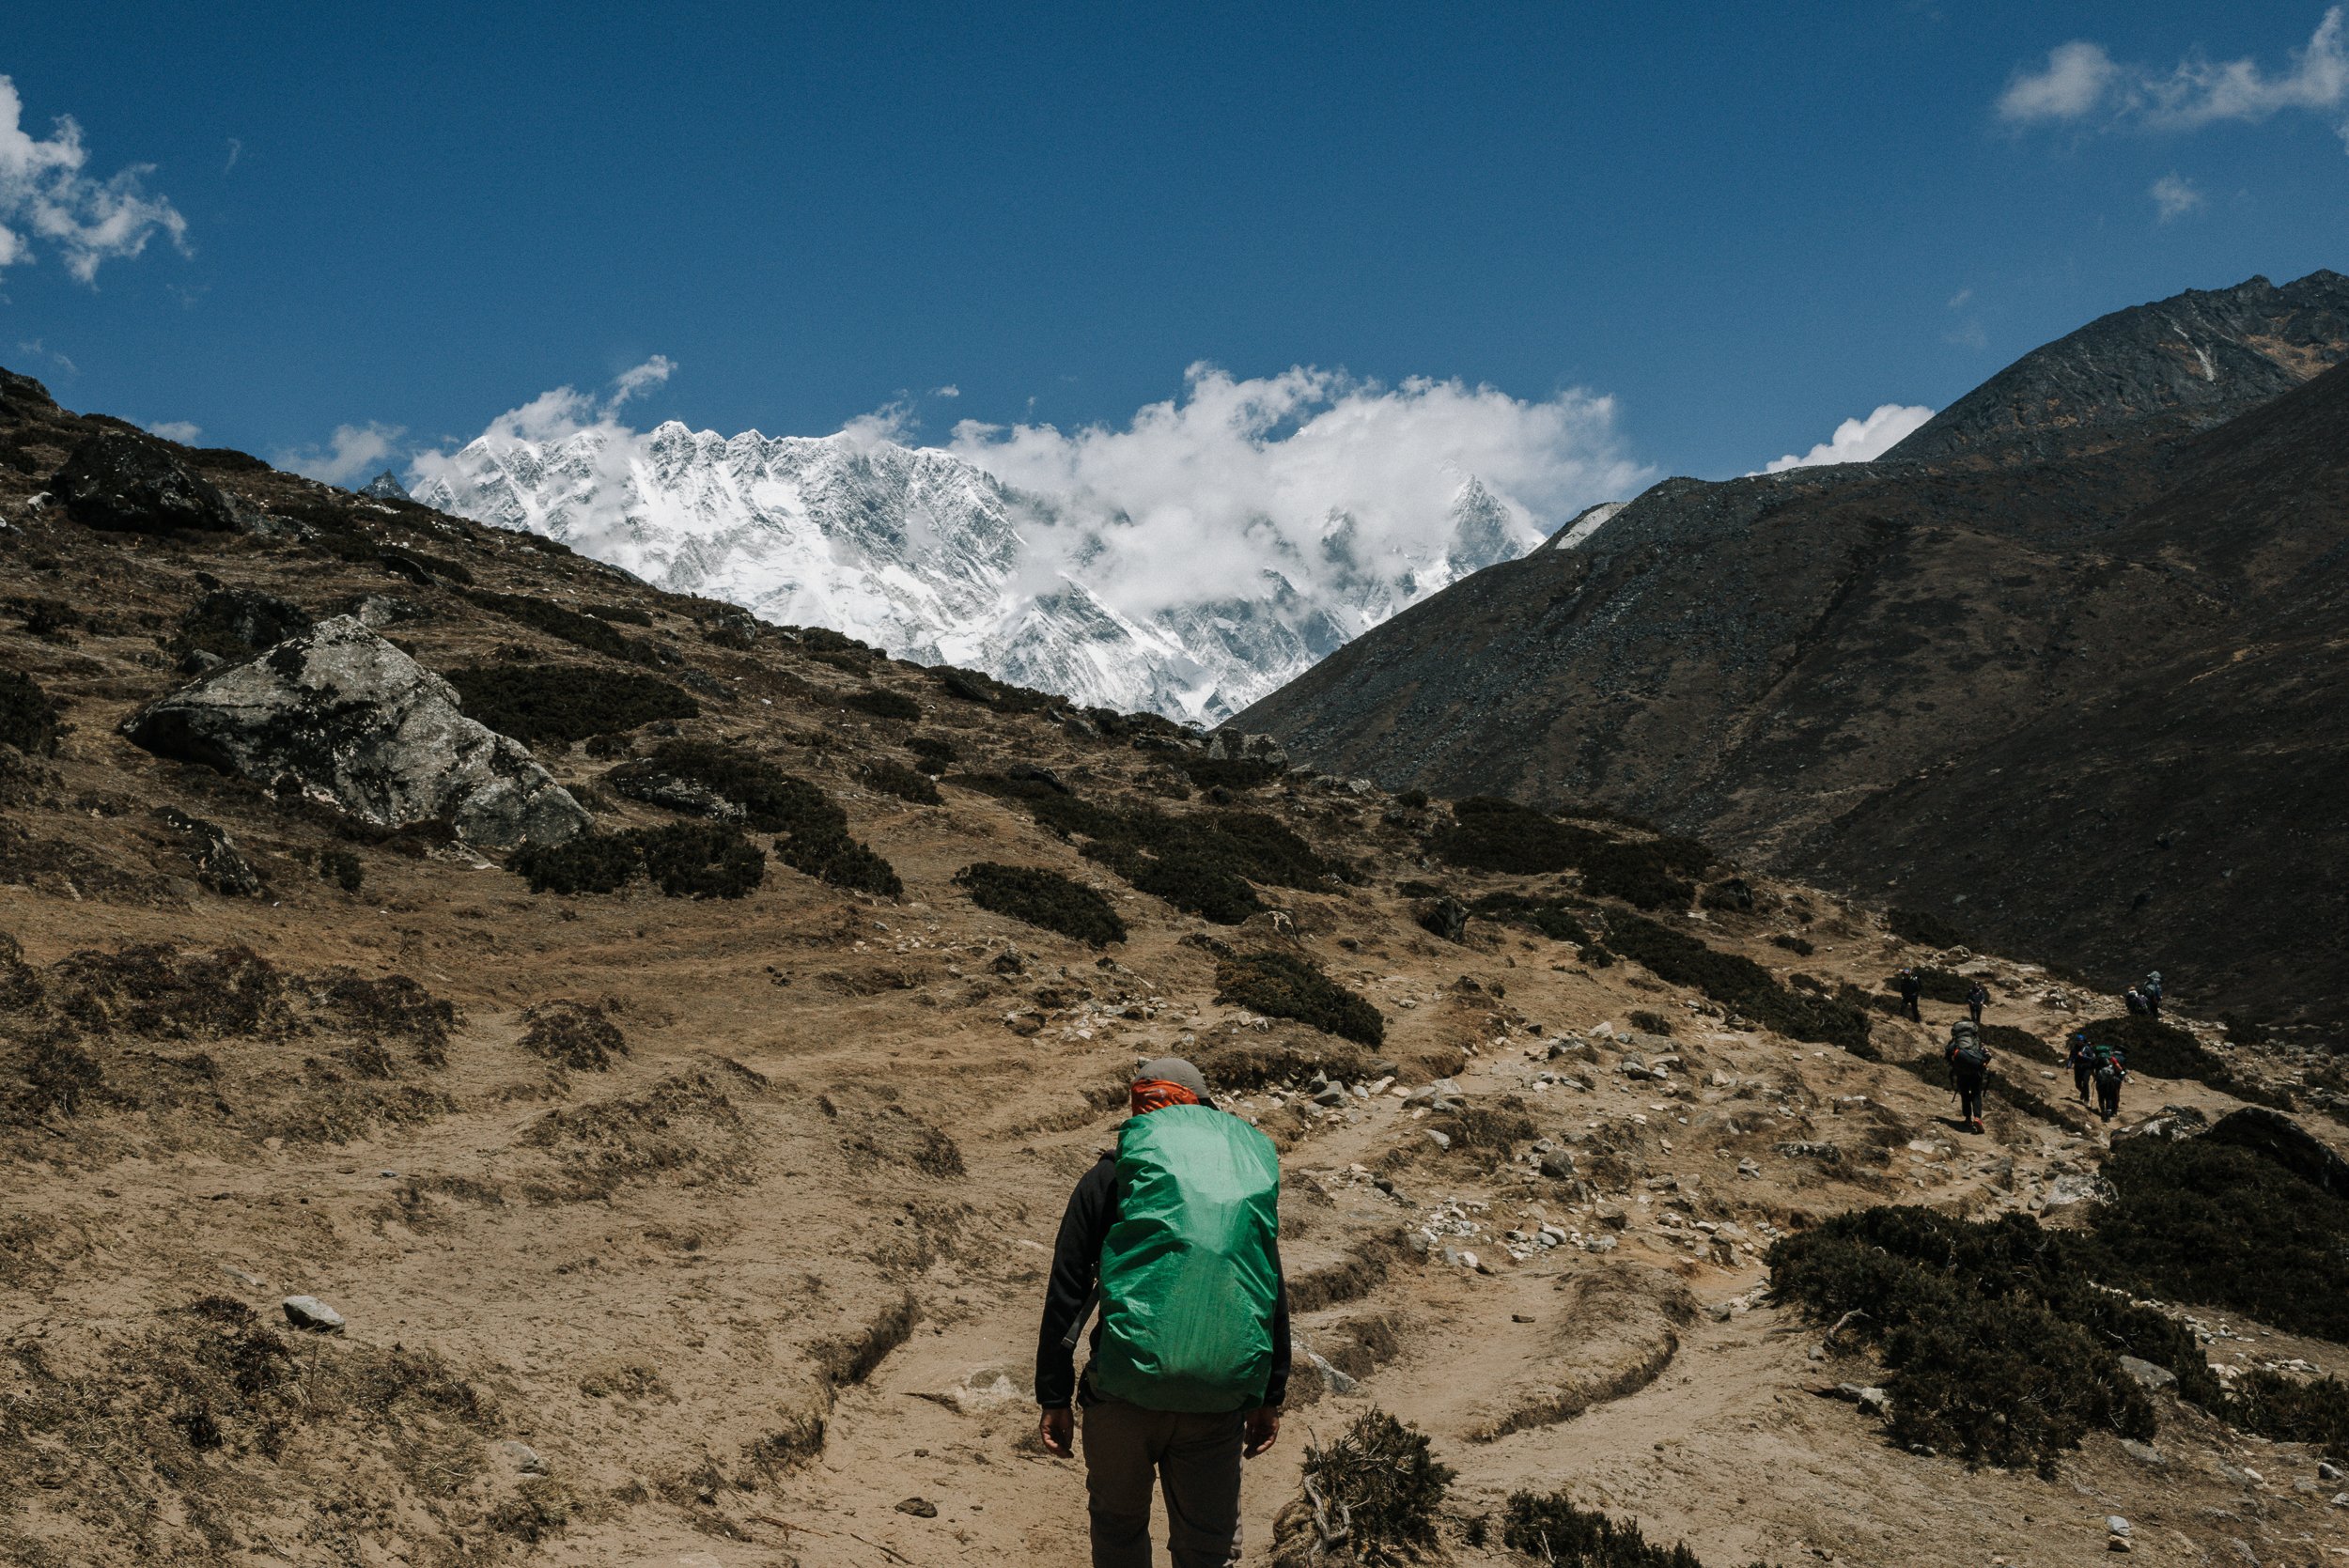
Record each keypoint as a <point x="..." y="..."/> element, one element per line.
<point x="933" y="558"/>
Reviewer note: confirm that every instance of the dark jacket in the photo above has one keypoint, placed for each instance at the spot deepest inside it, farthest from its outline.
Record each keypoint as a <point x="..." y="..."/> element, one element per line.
<point x="1077" y="1264"/>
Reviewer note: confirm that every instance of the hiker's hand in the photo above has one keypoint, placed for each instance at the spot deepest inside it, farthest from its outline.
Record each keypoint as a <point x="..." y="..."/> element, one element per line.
<point x="1264" y="1430"/>
<point x="1058" y="1431"/>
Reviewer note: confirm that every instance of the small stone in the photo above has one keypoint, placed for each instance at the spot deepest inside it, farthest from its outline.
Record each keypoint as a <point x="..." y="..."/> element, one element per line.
<point x="1330" y="1093"/>
<point x="1558" y="1165"/>
<point x="2115" y="1525"/>
<point x="250" y="1282"/>
<point x="2341" y="1500"/>
<point x="2118" y="1544"/>
<point x="2328" y="1470"/>
<point x="1749" y="1170"/>
<point x="920" y="1508"/>
<point x="308" y="1312"/>
<point x="1610" y="1214"/>
<point x="1875" y="1402"/>
<point x="2144" y="1454"/>
<point x="1441" y="1139"/>
<point x="2147" y="1374"/>
<point x="526" y="1458"/>
<point x="1520" y="1317"/>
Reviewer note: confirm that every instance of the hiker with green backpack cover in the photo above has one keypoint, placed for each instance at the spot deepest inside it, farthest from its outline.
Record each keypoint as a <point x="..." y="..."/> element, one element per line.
<point x="1176" y="1236"/>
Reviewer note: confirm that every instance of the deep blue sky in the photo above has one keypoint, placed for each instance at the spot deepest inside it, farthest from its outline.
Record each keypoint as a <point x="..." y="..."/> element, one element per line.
<point x="1747" y="223"/>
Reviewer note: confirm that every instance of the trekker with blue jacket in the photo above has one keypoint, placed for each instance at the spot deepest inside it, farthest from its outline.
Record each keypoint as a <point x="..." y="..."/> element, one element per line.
<point x="1176" y="1235"/>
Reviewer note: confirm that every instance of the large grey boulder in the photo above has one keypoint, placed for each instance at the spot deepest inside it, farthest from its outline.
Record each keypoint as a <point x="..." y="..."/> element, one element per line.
<point x="342" y="717"/>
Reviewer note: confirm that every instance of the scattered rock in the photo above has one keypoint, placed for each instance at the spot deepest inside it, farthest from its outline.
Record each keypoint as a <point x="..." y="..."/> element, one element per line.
<point x="2068" y="1191"/>
<point x="920" y="1508"/>
<point x="526" y="1458"/>
<point x="343" y="718"/>
<point x="1749" y="1170"/>
<point x="2147" y="1374"/>
<point x="308" y="1312"/>
<point x="120" y="481"/>
<point x="1557" y="1165"/>
<point x="1330" y="1093"/>
<point x="220" y="865"/>
<point x="2144" y="1454"/>
<point x="2328" y="1470"/>
<point x="1446" y="918"/>
<point x="1031" y="773"/>
<point x="1610" y="1214"/>
<point x="1441" y="1139"/>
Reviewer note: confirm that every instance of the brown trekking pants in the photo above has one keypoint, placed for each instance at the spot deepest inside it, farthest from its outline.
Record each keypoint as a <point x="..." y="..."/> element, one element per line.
<point x="1195" y="1458"/>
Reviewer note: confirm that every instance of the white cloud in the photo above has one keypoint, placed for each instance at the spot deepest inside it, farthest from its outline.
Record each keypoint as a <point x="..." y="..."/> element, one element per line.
<point x="1311" y="473"/>
<point x="356" y="451"/>
<point x="629" y="382"/>
<point x="2078" y="76"/>
<point x="2174" y="196"/>
<point x="949" y="390"/>
<point x="1959" y="299"/>
<point x="236" y="150"/>
<point x="2083" y="82"/>
<point x="44" y="196"/>
<point x="179" y="430"/>
<point x="1859" y="440"/>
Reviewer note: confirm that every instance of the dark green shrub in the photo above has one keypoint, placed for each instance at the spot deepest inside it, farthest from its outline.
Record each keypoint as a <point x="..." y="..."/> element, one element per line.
<point x="1552" y="1530"/>
<point x="1915" y="926"/>
<point x="895" y="778"/>
<point x="1739" y="983"/>
<point x="1944" y="986"/>
<point x="1043" y="898"/>
<point x="973" y="685"/>
<point x="1549" y="916"/>
<point x="2165" y="1051"/>
<point x="626" y="615"/>
<point x="1413" y="888"/>
<point x="934" y="754"/>
<point x="1412" y="800"/>
<point x="1648" y="1022"/>
<point x="2286" y="1411"/>
<point x="881" y="703"/>
<point x="1227" y="773"/>
<point x="684" y="860"/>
<point x="2217" y="1224"/>
<point x="420" y="569"/>
<point x="2006" y="1040"/>
<point x="564" y="702"/>
<point x="28" y="719"/>
<point x="1488" y="834"/>
<point x="1281" y="986"/>
<point x="1379" y="1479"/>
<point x="342" y="868"/>
<point x="814" y="831"/>
<point x="238" y="623"/>
<point x="568" y="625"/>
<point x="1733" y="896"/>
<point x="1799" y="946"/>
<point x="2002" y="1346"/>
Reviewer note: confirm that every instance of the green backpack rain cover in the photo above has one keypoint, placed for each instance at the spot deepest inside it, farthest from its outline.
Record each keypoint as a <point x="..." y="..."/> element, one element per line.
<point x="1187" y="1284"/>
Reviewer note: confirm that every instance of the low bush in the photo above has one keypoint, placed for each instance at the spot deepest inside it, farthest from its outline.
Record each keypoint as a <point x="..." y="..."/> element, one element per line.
<point x="1281" y="986"/>
<point x="2165" y="1051"/>
<point x="1549" y="916"/>
<point x="1551" y="1527"/>
<point x="2006" y="1040"/>
<point x="1208" y="772"/>
<point x="569" y="624"/>
<point x="881" y="703"/>
<point x="1739" y="983"/>
<point x="2215" y="1223"/>
<point x="1936" y="985"/>
<point x="2286" y="1410"/>
<point x="342" y="868"/>
<point x="1799" y="946"/>
<point x="1915" y="926"/>
<point x="574" y="1034"/>
<point x="973" y="685"/>
<point x="1648" y="1022"/>
<point x="626" y="615"/>
<point x="1732" y="895"/>
<point x="238" y="623"/>
<point x="564" y="702"/>
<point x="1043" y="898"/>
<point x="696" y="860"/>
<point x="814" y="830"/>
<point x="2002" y="1348"/>
<point x="933" y="753"/>
<point x="895" y="778"/>
<point x="28" y="719"/>
<point x="1488" y="834"/>
<point x="1375" y="1491"/>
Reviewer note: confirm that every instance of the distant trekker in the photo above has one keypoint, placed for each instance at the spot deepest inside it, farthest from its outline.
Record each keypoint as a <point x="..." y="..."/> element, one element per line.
<point x="1970" y="1069"/>
<point x="2083" y="1065"/>
<point x="2151" y="991"/>
<point x="2111" y="1066"/>
<point x="1176" y="1234"/>
<point x="1912" y="987"/>
<point x="2138" y="1004"/>
<point x="1976" y="999"/>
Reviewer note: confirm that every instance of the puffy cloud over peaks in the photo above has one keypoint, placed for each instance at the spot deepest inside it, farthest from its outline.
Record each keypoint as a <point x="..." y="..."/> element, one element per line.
<point x="45" y="196"/>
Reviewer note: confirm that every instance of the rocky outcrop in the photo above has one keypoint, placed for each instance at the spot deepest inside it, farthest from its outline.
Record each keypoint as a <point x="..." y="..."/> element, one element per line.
<point x="124" y="481"/>
<point x="2200" y="357"/>
<point x="345" y="719"/>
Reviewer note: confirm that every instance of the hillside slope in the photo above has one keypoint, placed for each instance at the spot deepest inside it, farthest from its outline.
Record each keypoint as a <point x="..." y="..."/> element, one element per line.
<point x="703" y="1220"/>
<point x="1938" y="687"/>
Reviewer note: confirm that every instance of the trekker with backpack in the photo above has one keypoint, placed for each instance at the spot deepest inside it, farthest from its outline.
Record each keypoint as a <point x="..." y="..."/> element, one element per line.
<point x="1970" y="1069"/>
<point x="2112" y="1068"/>
<point x="1976" y="999"/>
<point x="2137" y="1003"/>
<point x="2151" y="991"/>
<point x="1176" y="1234"/>
<point x="1912" y="987"/>
<point x="2083" y="1065"/>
